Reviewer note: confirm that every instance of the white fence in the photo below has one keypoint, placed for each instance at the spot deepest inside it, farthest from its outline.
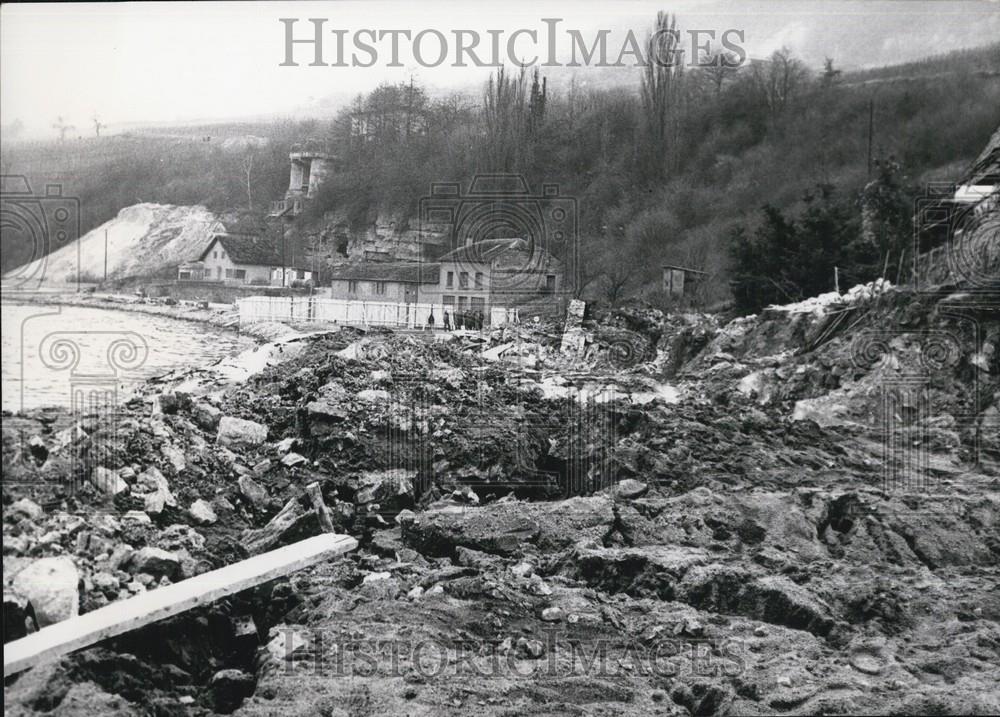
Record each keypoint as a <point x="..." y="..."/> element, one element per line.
<point x="304" y="309"/>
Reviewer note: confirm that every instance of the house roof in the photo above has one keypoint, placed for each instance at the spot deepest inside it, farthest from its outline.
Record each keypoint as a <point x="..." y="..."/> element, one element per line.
<point x="684" y="269"/>
<point x="487" y="251"/>
<point x="413" y="272"/>
<point x="246" y="249"/>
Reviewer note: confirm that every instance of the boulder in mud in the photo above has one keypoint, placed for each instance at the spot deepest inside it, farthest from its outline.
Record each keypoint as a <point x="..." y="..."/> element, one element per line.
<point x="108" y="481"/>
<point x="201" y="512"/>
<point x="229" y="688"/>
<point x="205" y="415"/>
<point x="254" y="493"/>
<point x="51" y="586"/>
<point x="568" y="522"/>
<point x="156" y="562"/>
<point x="238" y="431"/>
<point x="26" y="508"/>
<point x="501" y="529"/>
<point x="154" y="488"/>
<point x="389" y="486"/>
<point x="629" y="489"/>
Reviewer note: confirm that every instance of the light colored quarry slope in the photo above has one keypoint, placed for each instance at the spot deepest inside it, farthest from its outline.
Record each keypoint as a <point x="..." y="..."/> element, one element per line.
<point x="142" y="240"/>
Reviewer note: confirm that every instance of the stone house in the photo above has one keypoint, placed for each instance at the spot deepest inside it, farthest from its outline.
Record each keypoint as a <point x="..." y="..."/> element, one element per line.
<point x="506" y="273"/>
<point x="397" y="282"/>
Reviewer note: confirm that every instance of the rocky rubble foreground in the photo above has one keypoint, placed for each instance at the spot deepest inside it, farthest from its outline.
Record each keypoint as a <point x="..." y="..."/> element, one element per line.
<point x="646" y="519"/>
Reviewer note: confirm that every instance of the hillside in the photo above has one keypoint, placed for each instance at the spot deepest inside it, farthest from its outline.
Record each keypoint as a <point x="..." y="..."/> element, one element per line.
<point x="733" y="144"/>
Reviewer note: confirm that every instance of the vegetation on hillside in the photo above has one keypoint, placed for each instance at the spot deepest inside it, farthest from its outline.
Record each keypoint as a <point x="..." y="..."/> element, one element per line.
<point x="676" y="170"/>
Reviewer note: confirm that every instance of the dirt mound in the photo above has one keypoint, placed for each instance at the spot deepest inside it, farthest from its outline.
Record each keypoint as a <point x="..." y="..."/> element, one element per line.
<point x="143" y="240"/>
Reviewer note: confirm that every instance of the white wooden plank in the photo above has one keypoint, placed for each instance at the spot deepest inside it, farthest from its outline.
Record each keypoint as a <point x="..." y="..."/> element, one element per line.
<point x="164" y="602"/>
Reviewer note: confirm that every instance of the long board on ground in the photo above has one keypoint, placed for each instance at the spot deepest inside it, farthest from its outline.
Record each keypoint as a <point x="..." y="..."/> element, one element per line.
<point x="167" y="601"/>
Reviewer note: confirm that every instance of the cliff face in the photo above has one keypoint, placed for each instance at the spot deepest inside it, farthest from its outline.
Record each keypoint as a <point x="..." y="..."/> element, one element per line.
<point x="143" y="240"/>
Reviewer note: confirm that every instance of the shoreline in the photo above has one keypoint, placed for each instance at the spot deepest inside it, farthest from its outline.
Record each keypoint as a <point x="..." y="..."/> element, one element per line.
<point x="185" y="311"/>
<point x="218" y="319"/>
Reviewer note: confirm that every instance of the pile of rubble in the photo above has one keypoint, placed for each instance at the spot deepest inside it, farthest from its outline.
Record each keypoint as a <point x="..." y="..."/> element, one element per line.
<point x="526" y="498"/>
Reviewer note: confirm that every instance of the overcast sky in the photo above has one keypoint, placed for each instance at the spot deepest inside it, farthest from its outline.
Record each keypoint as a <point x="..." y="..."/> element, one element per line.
<point x="160" y="62"/>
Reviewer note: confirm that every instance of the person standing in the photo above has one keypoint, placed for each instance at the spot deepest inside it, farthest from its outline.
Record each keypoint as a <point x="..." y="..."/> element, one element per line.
<point x="447" y="321"/>
<point x="430" y="321"/>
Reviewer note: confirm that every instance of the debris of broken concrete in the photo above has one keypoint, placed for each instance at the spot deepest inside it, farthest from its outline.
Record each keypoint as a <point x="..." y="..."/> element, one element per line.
<point x="521" y="505"/>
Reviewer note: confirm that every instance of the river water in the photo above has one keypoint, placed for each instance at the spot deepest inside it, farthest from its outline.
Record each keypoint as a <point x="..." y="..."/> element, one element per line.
<point x="51" y="351"/>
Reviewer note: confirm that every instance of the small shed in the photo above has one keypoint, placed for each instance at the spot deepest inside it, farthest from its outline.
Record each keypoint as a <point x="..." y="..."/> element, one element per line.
<point x="678" y="278"/>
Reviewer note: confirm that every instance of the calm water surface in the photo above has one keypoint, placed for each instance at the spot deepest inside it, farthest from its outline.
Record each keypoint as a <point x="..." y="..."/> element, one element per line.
<point x="50" y="351"/>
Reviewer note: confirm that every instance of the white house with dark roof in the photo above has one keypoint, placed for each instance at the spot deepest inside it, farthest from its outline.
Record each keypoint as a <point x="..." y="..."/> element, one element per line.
<point x="242" y="259"/>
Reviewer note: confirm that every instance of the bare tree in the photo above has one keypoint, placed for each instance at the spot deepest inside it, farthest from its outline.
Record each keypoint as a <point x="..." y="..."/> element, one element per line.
<point x="780" y="79"/>
<point x="719" y="68"/>
<point x="505" y="114"/>
<point x="63" y="127"/>
<point x="662" y="76"/>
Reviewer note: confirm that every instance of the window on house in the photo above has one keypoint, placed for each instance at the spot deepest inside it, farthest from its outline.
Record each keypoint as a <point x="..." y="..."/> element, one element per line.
<point x="479" y="280"/>
<point x="463" y="303"/>
<point x="300" y="274"/>
<point x="352" y="287"/>
<point x="550" y="284"/>
<point x="451" y="279"/>
<point x="240" y="274"/>
<point x="229" y="273"/>
<point x="215" y="255"/>
<point x="448" y="300"/>
<point x="478" y="303"/>
<point x="463" y="280"/>
<point x="380" y="287"/>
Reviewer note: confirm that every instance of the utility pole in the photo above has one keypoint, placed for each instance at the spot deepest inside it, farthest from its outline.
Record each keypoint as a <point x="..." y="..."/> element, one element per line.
<point x="105" y="255"/>
<point x="283" y="262"/>
<point x="836" y="279"/>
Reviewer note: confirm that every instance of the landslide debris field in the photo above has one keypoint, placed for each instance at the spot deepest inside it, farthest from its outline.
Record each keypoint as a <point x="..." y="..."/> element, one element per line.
<point x="651" y="515"/>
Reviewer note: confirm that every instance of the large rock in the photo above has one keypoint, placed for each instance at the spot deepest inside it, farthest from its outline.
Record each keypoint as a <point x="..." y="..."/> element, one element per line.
<point x="156" y="562"/>
<point x="201" y="512"/>
<point x="229" y="688"/>
<point x="237" y="431"/>
<point x="502" y="529"/>
<point x="567" y="522"/>
<point x="108" y="481"/>
<point x="254" y="493"/>
<point x="205" y="415"/>
<point x="27" y="508"/>
<point x="154" y="488"/>
<point x="50" y="585"/>
<point x="389" y="486"/>
<point x="651" y="571"/>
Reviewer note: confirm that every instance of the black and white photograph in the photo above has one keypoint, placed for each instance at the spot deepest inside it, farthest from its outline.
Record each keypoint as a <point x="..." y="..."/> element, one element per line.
<point x="367" y="358"/>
